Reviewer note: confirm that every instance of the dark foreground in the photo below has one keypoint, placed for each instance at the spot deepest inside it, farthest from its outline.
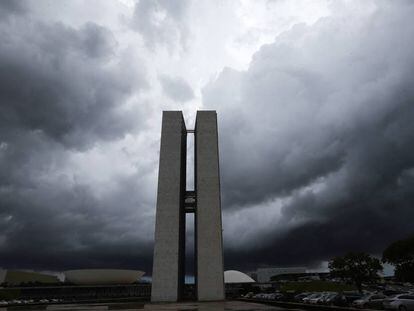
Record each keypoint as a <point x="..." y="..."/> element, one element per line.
<point x="194" y="306"/>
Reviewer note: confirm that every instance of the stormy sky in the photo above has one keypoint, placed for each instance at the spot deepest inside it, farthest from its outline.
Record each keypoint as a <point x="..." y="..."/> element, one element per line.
<point x="315" y="103"/>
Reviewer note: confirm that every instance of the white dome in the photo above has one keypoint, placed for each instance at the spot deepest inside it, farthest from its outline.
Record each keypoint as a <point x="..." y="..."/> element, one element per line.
<point x="102" y="276"/>
<point x="233" y="276"/>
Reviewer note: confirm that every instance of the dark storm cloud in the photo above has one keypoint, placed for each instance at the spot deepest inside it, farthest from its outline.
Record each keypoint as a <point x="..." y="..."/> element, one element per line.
<point x="62" y="91"/>
<point x="53" y="220"/>
<point x="60" y="80"/>
<point x="176" y="88"/>
<point x="62" y="226"/>
<point x="322" y="118"/>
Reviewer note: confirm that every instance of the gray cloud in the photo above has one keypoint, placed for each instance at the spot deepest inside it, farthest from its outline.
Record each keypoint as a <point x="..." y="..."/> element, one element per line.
<point x="161" y="22"/>
<point x="176" y="88"/>
<point x="12" y="7"/>
<point x="322" y="118"/>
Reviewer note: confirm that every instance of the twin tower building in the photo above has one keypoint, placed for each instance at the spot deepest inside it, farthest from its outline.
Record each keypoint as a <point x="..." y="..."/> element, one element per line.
<point x="174" y="201"/>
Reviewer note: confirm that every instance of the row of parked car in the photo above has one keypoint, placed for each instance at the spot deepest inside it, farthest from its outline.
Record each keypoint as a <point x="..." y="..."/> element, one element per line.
<point x="27" y="301"/>
<point x="326" y="298"/>
<point x="391" y="300"/>
<point x="401" y="302"/>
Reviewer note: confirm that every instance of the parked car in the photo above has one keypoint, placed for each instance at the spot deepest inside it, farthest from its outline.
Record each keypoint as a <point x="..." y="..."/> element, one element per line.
<point x="249" y="295"/>
<point x="277" y="296"/>
<point x="318" y="299"/>
<point x="264" y="296"/>
<point x="268" y="296"/>
<point x="369" y="301"/>
<point x="311" y="297"/>
<point x="401" y="302"/>
<point x="299" y="297"/>
<point x="393" y="292"/>
<point x="352" y="296"/>
<point x="336" y="300"/>
<point x="327" y="297"/>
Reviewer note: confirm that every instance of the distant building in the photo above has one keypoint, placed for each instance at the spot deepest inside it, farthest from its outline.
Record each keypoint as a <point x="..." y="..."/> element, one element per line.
<point x="79" y="284"/>
<point x="253" y="275"/>
<point x="236" y="277"/>
<point x="78" y="292"/>
<point x="237" y="283"/>
<point x="297" y="277"/>
<point x="102" y="276"/>
<point x="17" y="277"/>
<point x="264" y="274"/>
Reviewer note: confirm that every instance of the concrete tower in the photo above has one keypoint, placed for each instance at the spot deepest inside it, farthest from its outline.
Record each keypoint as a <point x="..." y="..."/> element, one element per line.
<point x="174" y="201"/>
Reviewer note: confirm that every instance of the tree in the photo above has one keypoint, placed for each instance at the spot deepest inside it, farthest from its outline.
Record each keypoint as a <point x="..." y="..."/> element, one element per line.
<point x="356" y="267"/>
<point x="401" y="255"/>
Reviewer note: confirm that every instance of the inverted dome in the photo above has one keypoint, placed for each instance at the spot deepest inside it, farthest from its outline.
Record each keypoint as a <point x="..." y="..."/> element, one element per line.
<point x="102" y="276"/>
<point x="233" y="276"/>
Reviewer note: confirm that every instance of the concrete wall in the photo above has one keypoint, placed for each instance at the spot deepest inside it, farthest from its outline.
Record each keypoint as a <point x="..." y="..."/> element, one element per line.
<point x="209" y="245"/>
<point x="169" y="249"/>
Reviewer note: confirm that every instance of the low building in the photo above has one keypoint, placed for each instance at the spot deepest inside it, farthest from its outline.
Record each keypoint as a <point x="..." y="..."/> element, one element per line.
<point x="102" y="276"/>
<point x="297" y="277"/>
<point x="237" y="283"/>
<point x="78" y="292"/>
<point x="264" y="275"/>
<point x="18" y="277"/>
<point x="93" y="284"/>
<point x="236" y="277"/>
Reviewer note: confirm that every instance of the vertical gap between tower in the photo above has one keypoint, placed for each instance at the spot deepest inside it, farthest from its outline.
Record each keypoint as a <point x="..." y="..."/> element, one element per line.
<point x="189" y="251"/>
<point x="190" y="162"/>
<point x="189" y="224"/>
